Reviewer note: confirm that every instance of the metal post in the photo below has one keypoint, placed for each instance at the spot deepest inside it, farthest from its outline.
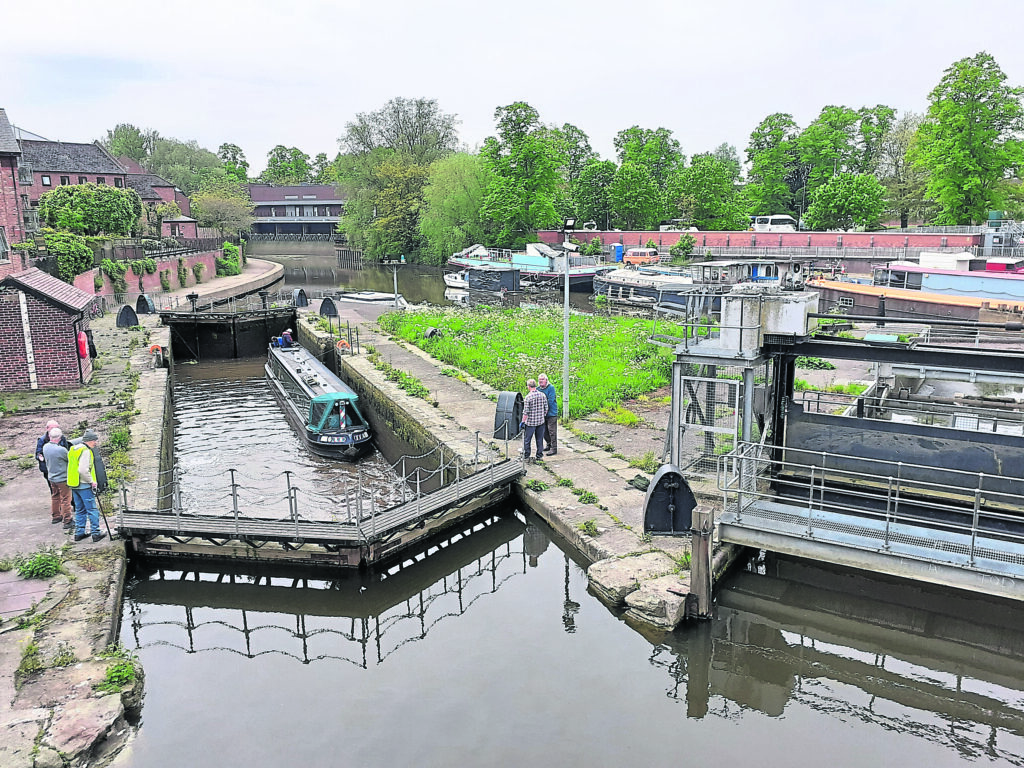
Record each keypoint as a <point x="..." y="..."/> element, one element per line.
<point x="888" y="512"/>
<point x="405" y="481"/>
<point x="748" y="403"/>
<point x="358" y="352"/>
<point x="373" y="515"/>
<point x="977" y="511"/>
<point x="457" y="494"/>
<point x="295" y="511"/>
<point x="234" y="499"/>
<point x="359" y="495"/>
<point x="419" y="502"/>
<point x="476" y="450"/>
<point x="810" y="500"/>
<point x="565" y="346"/>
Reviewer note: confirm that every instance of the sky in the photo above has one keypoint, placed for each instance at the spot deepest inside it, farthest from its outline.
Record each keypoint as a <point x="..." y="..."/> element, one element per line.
<point x="259" y="73"/>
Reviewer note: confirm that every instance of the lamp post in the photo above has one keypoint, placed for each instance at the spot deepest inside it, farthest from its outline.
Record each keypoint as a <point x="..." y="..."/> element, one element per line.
<point x="568" y="248"/>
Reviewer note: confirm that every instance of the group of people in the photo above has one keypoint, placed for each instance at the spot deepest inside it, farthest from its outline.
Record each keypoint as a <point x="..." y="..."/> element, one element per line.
<point x="540" y="418"/>
<point x="75" y="475"/>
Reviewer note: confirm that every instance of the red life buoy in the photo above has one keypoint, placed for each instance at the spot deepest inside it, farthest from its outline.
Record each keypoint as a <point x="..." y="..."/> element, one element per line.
<point x="83" y="345"/>
<point x="342" y="344"/>
<point x="154" y="349"/>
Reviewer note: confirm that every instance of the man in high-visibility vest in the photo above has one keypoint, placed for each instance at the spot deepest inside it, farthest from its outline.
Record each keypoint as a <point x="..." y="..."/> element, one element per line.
<point x="83" y="482"/>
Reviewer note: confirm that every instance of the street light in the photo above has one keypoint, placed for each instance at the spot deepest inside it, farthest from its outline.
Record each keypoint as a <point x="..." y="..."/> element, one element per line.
<point x="568" y="249"/>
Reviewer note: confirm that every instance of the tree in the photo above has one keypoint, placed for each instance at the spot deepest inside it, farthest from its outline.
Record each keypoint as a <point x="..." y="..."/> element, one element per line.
<point x="415" y="128"/>
<point x="181" y="162"/>
<point x="970" y="139"/>
<point x="127" y="140"/>
<point x="828" y="145"/>
<point x="656" y="150"/>
<point x="574" y="146"/>
<point x="398" y="199"/>
<point x="286" y="165"/>
<point x="705" y="195"/>
<point x="91" y="209"/>
<point x="772" y="156"/>
<point x="452" y="201"/>
<point x="523" y="161"/>
<point x="905" y="183"/>
<point x="233" y="158"/>
<point x="636" y="201"/>
<point x="223" y="203"/>
<point x="730" y="158"/>
<point x="874" y="124"/>
<point x="847" y="200"/>
<point x="323" y="169"/>
<point x="590" y="192"/>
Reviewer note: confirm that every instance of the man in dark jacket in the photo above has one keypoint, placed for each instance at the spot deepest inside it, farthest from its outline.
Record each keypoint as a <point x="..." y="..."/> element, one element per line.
<point x="39" y="449"/>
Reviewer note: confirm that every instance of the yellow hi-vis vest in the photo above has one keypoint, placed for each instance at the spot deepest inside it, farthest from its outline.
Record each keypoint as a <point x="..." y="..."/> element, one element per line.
<point x="74" y="456"/>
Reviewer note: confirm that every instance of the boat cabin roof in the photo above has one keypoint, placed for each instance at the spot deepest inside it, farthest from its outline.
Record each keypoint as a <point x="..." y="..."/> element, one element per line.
<point x="333" y="397"/>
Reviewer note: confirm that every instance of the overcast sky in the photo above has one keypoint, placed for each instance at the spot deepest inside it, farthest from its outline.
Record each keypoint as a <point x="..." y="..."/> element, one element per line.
<point x="258" y="73"/>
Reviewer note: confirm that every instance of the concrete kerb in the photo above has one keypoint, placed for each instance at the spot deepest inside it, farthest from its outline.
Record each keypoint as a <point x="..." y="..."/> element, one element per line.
<point x="56" y="593"/>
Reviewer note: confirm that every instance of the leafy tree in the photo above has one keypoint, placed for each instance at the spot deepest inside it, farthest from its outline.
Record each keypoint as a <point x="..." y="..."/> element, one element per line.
<point x="235" y="164"/>
<point x="223" y="203"/>
<point x="590" y="192"/>
<point x="523" y="161"/>
<point x="414" y="128"/>
<point x="127" y="140"/>
<point x="322" y="170"/>
<point x="705" y="195"/>
<point x="286" y="165"/>
<point x="91" y="209"/>
<point x="452" y="201"/>
<point x="73" y="256"/>
<point x="574" y="146"/>
<point x="904" y="182"/>
<point x="970" y="139"/>
<point x="847" y="200"/>
<point x="874" y="124"/>
<point x="398" y="199"/>
<point x="828" y="145"/>
<point x="772" y="156"/>
<point x="730" y="158"/>
<point x="636" y="201"/>
<point x="181" y="162"/>
<point x="657" y="150"/>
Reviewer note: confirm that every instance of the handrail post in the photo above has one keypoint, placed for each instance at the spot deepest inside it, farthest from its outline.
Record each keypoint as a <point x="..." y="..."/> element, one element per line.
<point x="888" y="512"/>
<point x="458" y="495"/>
<point x="359" y="495"/>
<point x="405" y="481"/>
<point x="476" y="451"/>
<point x="419" y="497"/>
<point x="373" y="515"/>
<point x="234" y="500"/>
<point x="295" y="511"/>
<point x="810" y="501"/>
<point x="977" y="513"/>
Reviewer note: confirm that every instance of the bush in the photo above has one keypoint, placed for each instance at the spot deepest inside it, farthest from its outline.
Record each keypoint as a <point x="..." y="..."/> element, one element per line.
<point x="182" y="273"/>
<point x="151" y="245"/>
<point x="116" y="271"/>
<point x="650" y="243"/>
<point x="169" y="242"/>
<point x="197" y="269"/>
<point x="73" y="256"/>
<point x="41" y="565"/>
<point x="165" y="279"/>
<point x="27" y="249"/>
<point x="97" y="282"/>
<point x="682" y="250"/>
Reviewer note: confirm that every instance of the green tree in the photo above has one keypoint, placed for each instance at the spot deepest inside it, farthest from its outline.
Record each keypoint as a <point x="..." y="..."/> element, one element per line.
<point x="828" y="145"/>
<point x="656" y="150"/>
<point x="970" y="139"/>
<point x="873" y="126"/>
<point x="730" y="158"/>
<point x="847" y="200"/>
<point x="523" y="162"/>
<point x="773" y="159"/>
<point x="452" y="201"/>
<point x="590" y="192"/>
<point x="574" y="146"/>
<point x="91" y="209"/>
<point x="323" y="169"/>
<point x="705" y="194"/>
<point x="636" y="201"/>
<point x="181" y="162"/>
<point x="235" y="164"/>
<point x="222" y="202"/>
<point x="286" y="165"/>
<point x="398" y="200"/>
<point x="73" y="256"/>
<point x="127" y="140"/>
<point x="905" y="183"/>
<point x="414" y="128"/>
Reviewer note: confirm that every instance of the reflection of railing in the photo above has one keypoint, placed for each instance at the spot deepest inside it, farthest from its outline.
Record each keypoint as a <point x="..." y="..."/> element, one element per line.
<point x="314" y="637"/>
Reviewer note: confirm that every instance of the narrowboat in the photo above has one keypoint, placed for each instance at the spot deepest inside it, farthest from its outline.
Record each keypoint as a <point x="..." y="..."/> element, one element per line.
<point x="539" y="265"/>
<point x="318" y="405"/>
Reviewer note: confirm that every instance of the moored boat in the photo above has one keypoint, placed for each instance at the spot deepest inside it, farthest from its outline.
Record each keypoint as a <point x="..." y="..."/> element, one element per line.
<point x="319" y="405"/>
<point x="539" y="265"/>
<point x="458" y="279"/>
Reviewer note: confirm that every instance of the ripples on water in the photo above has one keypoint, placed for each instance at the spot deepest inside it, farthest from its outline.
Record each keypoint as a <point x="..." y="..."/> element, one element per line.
<point x="226" y="416"/>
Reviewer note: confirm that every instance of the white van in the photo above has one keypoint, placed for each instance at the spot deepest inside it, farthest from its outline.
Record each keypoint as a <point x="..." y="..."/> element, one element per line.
<point x="778" y="223"/>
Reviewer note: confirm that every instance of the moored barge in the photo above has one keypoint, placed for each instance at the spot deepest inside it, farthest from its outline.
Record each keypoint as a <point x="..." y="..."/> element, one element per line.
<point x="318" y="405"/>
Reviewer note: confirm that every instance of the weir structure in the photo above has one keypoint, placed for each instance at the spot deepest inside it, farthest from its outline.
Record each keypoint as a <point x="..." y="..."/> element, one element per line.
<point x="895" y="479"/>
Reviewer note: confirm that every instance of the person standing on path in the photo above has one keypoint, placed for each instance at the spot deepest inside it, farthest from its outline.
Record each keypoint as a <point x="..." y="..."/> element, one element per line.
<point x="56" y="457"/>
<point x="535" y="409"/>
<point x="551" y="422"/>
<point x="83" y="482"/>
<point x="41" y="442"/>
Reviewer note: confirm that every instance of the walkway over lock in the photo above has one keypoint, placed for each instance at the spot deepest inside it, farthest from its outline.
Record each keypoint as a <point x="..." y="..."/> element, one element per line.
<point x="316" y="529"/>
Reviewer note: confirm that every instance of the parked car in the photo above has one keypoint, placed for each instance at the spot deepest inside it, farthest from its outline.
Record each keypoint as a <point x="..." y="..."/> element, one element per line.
<point x="637" y="256"/>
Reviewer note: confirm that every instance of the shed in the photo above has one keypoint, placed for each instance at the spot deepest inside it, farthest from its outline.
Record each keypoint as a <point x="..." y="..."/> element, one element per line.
<point x="41" y="318"/>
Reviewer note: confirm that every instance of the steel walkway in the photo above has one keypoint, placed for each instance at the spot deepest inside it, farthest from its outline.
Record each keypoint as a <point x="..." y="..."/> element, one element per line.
<point x="370" y="533"/>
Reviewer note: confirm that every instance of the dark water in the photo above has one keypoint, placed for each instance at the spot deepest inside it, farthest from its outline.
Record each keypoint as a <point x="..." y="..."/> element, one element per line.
<point x="488" y="651"/>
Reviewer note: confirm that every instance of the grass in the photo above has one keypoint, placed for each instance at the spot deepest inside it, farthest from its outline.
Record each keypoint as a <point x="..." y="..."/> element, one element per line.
<point x="613" y="413"/>
<point x="64" y="655"/>
<point x="31" y="661"/>
<point x="405" y="381"/>
<point x="537" y="485"/>
<point x="41" y="565"/>
<point x="610" y="356"/>
<point x="122" y="672"/>
<point x="589" y="527"/>
<point x="647" y="463"/>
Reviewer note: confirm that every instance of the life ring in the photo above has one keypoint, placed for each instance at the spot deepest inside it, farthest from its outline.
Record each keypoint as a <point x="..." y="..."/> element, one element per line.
<point x="342" y="344"/>
<point x="83" y="345"/>
<point x="154" y="349"/>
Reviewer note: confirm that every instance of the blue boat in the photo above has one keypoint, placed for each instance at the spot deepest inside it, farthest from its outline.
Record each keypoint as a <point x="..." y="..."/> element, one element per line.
<point x="320" y="407"/>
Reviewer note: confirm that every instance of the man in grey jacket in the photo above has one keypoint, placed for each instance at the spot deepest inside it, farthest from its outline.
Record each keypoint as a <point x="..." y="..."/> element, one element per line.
<point x="56" y="457"/>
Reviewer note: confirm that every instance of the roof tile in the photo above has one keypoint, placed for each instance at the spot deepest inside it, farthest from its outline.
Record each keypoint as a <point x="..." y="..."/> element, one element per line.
<point x="49" y="288"/>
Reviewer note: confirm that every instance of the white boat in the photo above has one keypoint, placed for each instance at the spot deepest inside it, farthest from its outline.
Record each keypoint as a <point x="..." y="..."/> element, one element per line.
<point x="458" y="279"/>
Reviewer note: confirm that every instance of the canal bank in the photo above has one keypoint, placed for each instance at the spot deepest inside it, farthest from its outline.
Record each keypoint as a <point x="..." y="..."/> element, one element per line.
<point x="67" y="692"/>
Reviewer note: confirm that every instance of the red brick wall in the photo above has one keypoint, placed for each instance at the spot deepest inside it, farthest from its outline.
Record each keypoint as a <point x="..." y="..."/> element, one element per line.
<point x="777" y="239"/>
<point x="54" y="345"/>
<point x="151" y="283"/>
<point x="10" y="213"/>
<point x="37" y="189"/>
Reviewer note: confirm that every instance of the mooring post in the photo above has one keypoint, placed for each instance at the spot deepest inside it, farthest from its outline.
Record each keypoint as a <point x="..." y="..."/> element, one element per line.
<point x="700" y="565"/>
<point x="234" y="499"/>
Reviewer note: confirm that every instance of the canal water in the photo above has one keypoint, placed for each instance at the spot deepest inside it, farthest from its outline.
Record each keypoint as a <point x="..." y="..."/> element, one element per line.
<point x="489" y="651"/>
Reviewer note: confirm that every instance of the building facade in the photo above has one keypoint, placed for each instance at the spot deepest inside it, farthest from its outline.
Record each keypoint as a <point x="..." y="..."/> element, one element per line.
<point x="11" y="223"/>
<point x="302" y="209"/>
<point x="49" y="164"/>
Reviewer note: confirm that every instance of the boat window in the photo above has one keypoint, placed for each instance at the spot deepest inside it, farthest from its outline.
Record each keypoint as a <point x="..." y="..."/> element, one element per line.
<point x="316" y="413"/>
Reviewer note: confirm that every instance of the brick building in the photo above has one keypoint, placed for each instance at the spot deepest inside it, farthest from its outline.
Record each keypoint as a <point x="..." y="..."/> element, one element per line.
<point x="154" y="189"/>
<point x="11" y="225"/>
<point x="41" y="318"/>
<point x="301" y="209"/>
<point x="49" y="164"/>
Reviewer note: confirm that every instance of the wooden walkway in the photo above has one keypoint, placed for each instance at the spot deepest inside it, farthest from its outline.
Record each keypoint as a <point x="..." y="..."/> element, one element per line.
<point x="376" y="534"/>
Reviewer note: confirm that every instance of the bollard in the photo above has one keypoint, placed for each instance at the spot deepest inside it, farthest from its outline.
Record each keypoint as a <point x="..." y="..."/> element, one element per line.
<point x="701" y="587"/>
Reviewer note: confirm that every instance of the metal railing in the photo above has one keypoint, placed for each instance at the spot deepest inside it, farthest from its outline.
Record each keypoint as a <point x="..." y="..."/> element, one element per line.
<point x="965" y="515"/>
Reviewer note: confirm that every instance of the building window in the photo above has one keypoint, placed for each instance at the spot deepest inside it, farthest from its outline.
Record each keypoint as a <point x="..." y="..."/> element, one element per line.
<point x="4" y="249"/>
<point x="101" y="179"/>
<point x="291" y="197"/>
<point x="46" y="181"/>
<point x="83" y="179"/>
<point x="309" y="197"/>
<point x="117" y="181"/>
<point x="65" y="180"/>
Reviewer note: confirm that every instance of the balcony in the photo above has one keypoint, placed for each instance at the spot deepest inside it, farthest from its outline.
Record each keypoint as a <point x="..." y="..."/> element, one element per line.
<point x="296" y="219"/>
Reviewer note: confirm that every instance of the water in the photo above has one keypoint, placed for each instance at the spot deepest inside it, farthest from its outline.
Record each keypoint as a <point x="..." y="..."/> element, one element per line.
<point x="490" y="651"/>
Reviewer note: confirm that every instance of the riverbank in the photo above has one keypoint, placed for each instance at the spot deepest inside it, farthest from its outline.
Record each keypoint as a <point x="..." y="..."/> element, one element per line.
<point x="57" y="635"/>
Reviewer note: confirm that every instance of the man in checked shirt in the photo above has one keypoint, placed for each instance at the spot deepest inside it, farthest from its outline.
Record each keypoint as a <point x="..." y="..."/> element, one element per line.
<point x="535" y="411"/>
